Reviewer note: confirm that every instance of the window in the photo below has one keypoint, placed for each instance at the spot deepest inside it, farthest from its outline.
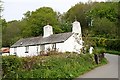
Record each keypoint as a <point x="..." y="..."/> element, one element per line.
<point x="37" y="48"/>
<point x="15" y="50"/>
<point x="42" y="47"/>
<point x="26" y="49"/>
<point x="54" y="46"/>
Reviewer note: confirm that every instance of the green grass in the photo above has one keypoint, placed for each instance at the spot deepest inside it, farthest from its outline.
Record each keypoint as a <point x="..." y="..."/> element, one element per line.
<point x="67" y="65"/>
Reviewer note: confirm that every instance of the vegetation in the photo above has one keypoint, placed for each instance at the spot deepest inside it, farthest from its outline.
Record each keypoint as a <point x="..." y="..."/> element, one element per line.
<point x="56" y="65"/>
<point x="98" y="19"/>
<point x="100" y="22"/>
<point x="108" y="51"/>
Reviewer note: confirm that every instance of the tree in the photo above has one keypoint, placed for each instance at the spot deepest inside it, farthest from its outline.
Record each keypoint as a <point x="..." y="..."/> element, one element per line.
<point x="1" y="23"/>
<point x="118" y="21"/>
<point x="103" y="10"/>
<point x="36" y="20"/>
<point x="103" y="17"/>
<point x="103" y="27"/>
<point x="78" y="12"/>
<point x="11" y="33"/>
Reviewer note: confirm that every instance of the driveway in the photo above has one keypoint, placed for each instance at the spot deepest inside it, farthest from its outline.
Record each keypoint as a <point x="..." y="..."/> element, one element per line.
<point x="109" y="70"/>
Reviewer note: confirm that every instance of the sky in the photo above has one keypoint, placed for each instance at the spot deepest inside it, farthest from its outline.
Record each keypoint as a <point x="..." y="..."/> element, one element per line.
<point x="14" y="9"/>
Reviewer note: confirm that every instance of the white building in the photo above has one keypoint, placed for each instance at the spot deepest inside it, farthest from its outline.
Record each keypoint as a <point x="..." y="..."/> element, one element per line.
<point x="70" y="41"/>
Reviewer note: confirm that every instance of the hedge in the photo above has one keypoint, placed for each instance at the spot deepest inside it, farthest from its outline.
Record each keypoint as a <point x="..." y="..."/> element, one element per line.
<point x="113" y="45"/>
<point x="53" y="66"/>
<point x="109" y="44"/>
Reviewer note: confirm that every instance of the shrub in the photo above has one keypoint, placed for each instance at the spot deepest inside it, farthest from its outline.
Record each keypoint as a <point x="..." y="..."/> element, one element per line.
<point x="28" y="62"/>
<point x="10" y="66"/>
<point x="110" y="44"/>
<point x="67" y="65"/>
<point x="113" y="44"/>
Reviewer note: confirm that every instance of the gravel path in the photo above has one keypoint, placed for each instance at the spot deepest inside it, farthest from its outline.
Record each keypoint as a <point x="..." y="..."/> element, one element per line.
<point x="109" y="70"/>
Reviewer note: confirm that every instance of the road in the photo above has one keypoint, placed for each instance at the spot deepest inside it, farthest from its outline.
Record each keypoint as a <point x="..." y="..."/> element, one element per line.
<point x="109" y="70"/>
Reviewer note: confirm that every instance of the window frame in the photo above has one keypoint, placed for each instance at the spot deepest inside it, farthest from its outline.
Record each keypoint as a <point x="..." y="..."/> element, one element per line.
<point x="54" y="46"/>
<point x="26" y="49"/>
<point x="15" y="50"/>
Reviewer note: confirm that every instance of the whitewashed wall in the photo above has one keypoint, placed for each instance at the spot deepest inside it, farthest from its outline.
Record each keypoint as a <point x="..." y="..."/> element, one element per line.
<point x="11" y="51"/>
<point x="32" y="50"/>
<point x="21" y="52"/>
<point x="69" y="45"/>
<point x="48" y="46"/>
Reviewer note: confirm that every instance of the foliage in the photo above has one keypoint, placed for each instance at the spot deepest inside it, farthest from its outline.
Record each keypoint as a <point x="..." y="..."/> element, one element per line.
<point x="36" y="20"/>
<point x="113" y="45"/>
<point x="67" y="65"/>
<point x="103" y="10"/>
<point x="78" y="12"/>
<point x="103" y="27"/>
<point x="109" y="44"/>
<point x="98" y="19"/>
<point x="11" y="65"/>
<point x="113" y="52"/>
<point x="11" y="32"/>
<point x="109" y="51"/>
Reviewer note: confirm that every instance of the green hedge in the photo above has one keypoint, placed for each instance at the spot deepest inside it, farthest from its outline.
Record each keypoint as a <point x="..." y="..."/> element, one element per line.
<point x="10" y="66"/>
<point x="109" y="44"/>
<point x="113" y="45"/>
<point x="52" y="66"/>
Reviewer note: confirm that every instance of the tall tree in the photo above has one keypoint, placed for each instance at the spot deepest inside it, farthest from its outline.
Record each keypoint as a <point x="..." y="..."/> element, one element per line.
<point x="39" y="18"/>
<point x="11" y="32"/>
<point x="78" y="12"/>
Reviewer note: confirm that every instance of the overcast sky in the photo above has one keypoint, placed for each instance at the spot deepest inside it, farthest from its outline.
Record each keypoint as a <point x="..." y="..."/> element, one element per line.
<point x="14" y="9"/>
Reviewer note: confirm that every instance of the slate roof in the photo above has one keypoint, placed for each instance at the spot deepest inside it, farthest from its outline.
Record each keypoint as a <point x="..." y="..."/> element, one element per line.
<point x="55" y="38"/>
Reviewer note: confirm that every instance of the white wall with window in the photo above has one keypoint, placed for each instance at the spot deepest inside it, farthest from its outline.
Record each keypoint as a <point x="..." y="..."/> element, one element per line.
<point x="21" y="52"/>
<point x="26" y="49"/>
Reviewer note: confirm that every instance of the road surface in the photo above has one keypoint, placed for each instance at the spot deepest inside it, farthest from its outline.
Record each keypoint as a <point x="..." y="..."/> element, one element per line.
<point x="109" y="70"/>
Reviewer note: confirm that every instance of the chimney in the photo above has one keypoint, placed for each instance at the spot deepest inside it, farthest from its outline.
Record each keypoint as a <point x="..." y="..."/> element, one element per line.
<point x="76" y="27"/>
<point x="47" y="31"/>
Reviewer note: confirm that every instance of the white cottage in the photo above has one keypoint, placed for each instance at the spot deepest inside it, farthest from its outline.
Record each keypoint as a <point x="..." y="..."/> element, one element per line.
<point x="70" y="41"/>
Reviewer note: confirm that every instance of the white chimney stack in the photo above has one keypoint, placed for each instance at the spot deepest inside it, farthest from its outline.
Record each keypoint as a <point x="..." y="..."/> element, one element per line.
<point x="76" y="27"/>
<point x="47" y="31"/>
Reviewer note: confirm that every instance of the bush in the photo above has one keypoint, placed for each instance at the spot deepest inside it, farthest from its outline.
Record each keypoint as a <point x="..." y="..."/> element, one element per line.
<point x="11" y="65"/>
<point x="109" y="44"/>
<point x="67" y="65"/>
<point x="113" y="44"/>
